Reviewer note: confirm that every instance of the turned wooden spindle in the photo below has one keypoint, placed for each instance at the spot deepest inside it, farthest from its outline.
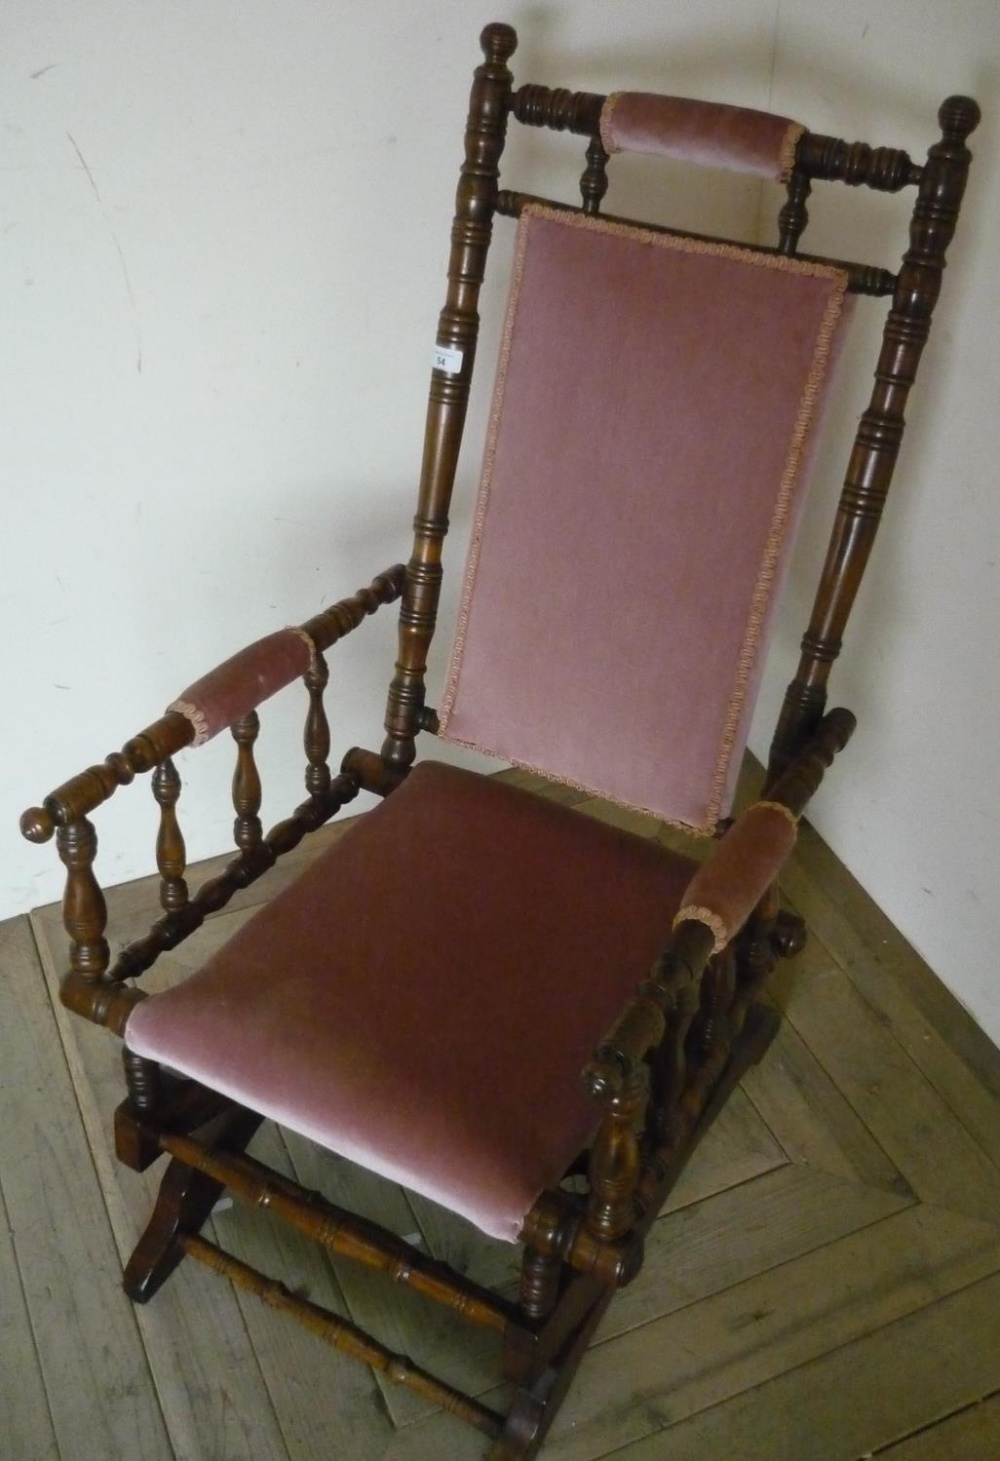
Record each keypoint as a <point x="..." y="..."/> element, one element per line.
<point x="458" y="329"/>
<point x="756" y="957"/>
<point x="669" y="1069"/>
<point x="171" y="855"/>
<point x="710" y="1028"/>
<point x="615" y="1162"/>
<point x="794" y="215"/>
<point x="558" y="109"/>
<point x="594" y="182"/>
<point x="85" y="915"/>
<point x="143" y="1082"/>
<point x="540" y="1278"/>
<point x="316" y="738"/>
<point x="886" y="169"/>
<point x="247" y="830"/>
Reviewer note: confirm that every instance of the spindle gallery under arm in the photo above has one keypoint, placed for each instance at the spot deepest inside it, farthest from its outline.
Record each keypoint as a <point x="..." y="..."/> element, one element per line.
<point x="475" y="991"/>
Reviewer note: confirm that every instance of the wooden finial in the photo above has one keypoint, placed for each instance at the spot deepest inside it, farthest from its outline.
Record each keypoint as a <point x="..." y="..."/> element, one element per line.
<point x="498" y="42"/>
<point x="37" y="825"/>
<point x="958" y="117"/>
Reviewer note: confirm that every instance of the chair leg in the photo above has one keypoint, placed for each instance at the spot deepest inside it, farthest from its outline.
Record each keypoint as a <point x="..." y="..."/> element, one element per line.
<point x="541" y="1277"/>
<point x="183" y="1204"/>
<point x="535" y="1408"/>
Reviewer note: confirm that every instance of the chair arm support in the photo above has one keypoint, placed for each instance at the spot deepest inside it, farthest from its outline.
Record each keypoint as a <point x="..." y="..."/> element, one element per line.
<point x="177" y="728"/>
<point x="719" y="899"/>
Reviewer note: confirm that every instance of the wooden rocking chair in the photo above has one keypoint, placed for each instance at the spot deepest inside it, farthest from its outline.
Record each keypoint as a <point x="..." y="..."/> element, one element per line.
<point x="424" y="998"/>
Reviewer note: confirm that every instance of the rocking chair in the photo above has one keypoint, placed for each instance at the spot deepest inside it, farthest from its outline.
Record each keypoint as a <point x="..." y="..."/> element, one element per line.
<point x="522" y="1013"/>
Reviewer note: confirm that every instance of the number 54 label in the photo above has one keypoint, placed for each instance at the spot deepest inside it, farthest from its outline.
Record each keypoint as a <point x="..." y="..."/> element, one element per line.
<point x="447" y="358"/>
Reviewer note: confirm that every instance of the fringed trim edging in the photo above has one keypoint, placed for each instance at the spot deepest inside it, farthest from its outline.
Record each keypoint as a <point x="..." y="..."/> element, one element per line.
<point x="695" y="914"/>
<point x="197" y="718"/>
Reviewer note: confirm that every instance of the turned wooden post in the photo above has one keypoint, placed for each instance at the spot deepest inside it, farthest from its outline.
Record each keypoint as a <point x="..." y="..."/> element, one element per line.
<point x="85" y="915"/>
<point x="794" y="215"/>
<point x="247" y="830"/>
<point x="540" y="1277"/>
<point x="710" y="1029"/>
<point x="558" y="109"/>
<point x="458" y="328"/>
<point x="143" y="1082"/>
<point x="615" y="1160"/>
<point x="669" y="1068"/>
<point x="594" y="182"/>
<point x="316" y="738"/>
<point x="171" y="855"/>
<point x="877" y="443"/>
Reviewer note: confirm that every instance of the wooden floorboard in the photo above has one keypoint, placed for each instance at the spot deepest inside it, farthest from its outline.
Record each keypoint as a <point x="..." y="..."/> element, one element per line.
<point x="823" y="1284"/>
<point x="26" y="1427"/>
<point x="755" y="1331"/>
<point x="91" y="1360"/>
<point x="922" y="1136"/>
<point x="973" y="1434"/>
<point x="855" y="1400"/>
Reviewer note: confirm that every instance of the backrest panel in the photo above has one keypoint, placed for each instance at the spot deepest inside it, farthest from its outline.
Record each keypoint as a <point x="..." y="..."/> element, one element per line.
<point x="654" y="404"/>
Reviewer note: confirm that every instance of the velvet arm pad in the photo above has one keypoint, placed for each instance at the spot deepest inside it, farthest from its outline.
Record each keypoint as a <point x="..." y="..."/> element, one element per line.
<point x="730" y="883"/>
<point x="241" y="683"/>
<point x="736" y="138"/>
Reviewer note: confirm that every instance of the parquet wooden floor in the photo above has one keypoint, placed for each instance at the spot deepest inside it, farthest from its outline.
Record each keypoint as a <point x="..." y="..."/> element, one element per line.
<point x="824" y="1286"/>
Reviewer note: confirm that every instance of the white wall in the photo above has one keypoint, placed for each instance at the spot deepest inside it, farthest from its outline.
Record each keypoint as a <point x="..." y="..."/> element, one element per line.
<point x="223" y="229"/>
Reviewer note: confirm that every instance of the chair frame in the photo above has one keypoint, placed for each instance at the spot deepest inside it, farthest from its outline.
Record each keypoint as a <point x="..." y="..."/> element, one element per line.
<point x="695" y="1025"/>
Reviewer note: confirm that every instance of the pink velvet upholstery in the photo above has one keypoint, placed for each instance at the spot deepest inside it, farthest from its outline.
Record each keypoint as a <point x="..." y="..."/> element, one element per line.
<point x="708" y="133"/>
<point x="728" y="886"/>
<point x="243" y="682"/>
<point x="408" y="1012"/>
<point x="652" y="419"/>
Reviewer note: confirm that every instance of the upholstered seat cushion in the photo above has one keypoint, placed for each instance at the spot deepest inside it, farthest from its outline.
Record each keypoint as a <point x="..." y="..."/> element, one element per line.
<point x="423" y="998"/>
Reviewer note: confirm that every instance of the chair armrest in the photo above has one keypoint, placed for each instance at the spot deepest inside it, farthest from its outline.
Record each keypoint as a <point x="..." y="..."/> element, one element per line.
<point x="719" y="899"/>
<point x="218" y="699"/>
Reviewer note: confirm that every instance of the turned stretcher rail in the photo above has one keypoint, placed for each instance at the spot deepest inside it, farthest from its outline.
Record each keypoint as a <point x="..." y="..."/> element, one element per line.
<point x="345" y="1234"/>
<point x="345" y="1336"/>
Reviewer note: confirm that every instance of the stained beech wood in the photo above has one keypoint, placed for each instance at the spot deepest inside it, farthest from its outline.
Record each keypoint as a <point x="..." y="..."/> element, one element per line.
<point x="316" y="737"/>
<point x="171" y="855"/>
<point x="458" y="329"/>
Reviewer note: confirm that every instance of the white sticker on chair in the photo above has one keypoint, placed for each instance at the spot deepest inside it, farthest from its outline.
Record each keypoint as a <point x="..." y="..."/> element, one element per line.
<point x="448" y="359"/>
